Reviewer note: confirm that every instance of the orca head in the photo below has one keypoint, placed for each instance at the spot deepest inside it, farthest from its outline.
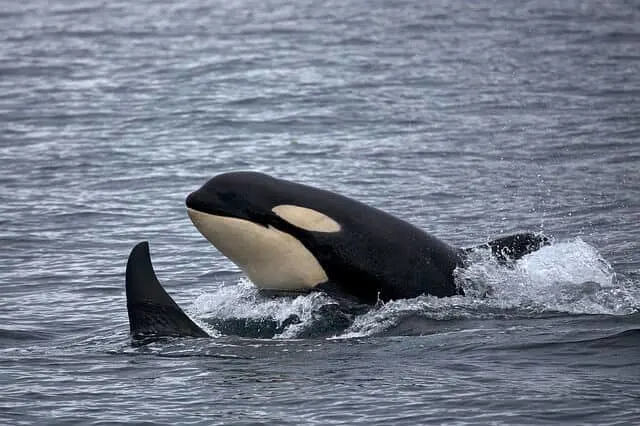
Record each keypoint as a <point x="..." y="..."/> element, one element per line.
<point x="257" y="222"/>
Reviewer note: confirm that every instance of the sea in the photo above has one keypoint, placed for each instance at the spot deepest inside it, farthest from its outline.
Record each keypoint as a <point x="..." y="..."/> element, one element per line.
<point x="470" y="119"/>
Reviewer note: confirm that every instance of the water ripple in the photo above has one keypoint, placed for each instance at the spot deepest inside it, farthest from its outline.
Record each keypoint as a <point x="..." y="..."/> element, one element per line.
<point x="471" y="120"/>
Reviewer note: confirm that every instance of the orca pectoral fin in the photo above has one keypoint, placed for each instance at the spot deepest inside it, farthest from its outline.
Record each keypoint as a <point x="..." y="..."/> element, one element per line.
<point x="513" y="247"/>
<point x="152" y="312"/>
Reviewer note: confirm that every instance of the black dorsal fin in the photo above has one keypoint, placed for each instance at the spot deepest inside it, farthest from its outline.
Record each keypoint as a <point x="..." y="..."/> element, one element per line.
<point x="513" y="247"/>
<point x="152" y="312"/>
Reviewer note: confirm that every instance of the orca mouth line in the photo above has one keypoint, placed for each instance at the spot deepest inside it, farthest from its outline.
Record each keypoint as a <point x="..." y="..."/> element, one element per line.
<point x="254" y="219"/>
<point x="193" y="202"/>
<point x="197" y="205"/>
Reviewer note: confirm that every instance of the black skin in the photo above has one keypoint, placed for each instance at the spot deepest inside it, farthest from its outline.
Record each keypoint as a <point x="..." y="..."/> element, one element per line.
<point x="375" y="256"/>
<point x="152" y="312"/>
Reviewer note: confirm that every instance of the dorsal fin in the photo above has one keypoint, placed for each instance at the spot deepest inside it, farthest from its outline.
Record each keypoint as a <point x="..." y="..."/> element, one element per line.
<point x="513" y="247"/>
<point x="152" y="312"/>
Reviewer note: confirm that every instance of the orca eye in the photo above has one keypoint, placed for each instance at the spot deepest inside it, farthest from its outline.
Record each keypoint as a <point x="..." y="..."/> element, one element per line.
<point x="264" y="219"/>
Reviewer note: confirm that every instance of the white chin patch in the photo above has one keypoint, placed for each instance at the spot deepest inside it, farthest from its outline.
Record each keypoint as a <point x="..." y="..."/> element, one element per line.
<point x="308" y="219"/>
<point x="272" y="259"/>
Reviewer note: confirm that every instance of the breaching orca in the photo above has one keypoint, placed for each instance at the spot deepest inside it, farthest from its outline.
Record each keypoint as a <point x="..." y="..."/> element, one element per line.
<point x="292" y="237"/>
<point x="289" y="237"/>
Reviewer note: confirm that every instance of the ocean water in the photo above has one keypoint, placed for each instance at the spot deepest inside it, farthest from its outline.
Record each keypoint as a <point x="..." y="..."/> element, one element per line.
<point x="471" y="120"/>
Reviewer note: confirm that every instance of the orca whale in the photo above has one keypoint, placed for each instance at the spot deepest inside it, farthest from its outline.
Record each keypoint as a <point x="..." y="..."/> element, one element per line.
<point x="288" y="237"/>
<point x="291" y="237"/>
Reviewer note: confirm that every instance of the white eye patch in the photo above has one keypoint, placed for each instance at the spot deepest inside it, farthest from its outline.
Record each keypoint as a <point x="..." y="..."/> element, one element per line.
<point x="308" y="219"/>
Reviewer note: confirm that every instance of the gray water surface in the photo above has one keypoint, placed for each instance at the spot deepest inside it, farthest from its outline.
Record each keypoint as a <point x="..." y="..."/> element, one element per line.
<point x="471" y="120"/>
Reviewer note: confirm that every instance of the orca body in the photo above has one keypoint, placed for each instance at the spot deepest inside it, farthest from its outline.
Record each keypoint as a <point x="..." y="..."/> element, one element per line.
<point x="291" y="237"/>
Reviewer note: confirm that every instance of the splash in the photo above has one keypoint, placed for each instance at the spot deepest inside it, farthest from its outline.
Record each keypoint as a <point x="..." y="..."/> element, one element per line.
<point x="242" y="309"/>
<point x="563" y="278"/>
<point x="567" y="277"/>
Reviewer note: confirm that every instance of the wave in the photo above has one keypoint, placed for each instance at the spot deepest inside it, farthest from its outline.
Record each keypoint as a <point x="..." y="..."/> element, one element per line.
<point x="10" y="337"/>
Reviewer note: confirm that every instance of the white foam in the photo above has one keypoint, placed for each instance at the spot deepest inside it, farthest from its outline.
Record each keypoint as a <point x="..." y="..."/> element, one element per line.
<point x="567" y="277"/>
<point x="243" y="301"/>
